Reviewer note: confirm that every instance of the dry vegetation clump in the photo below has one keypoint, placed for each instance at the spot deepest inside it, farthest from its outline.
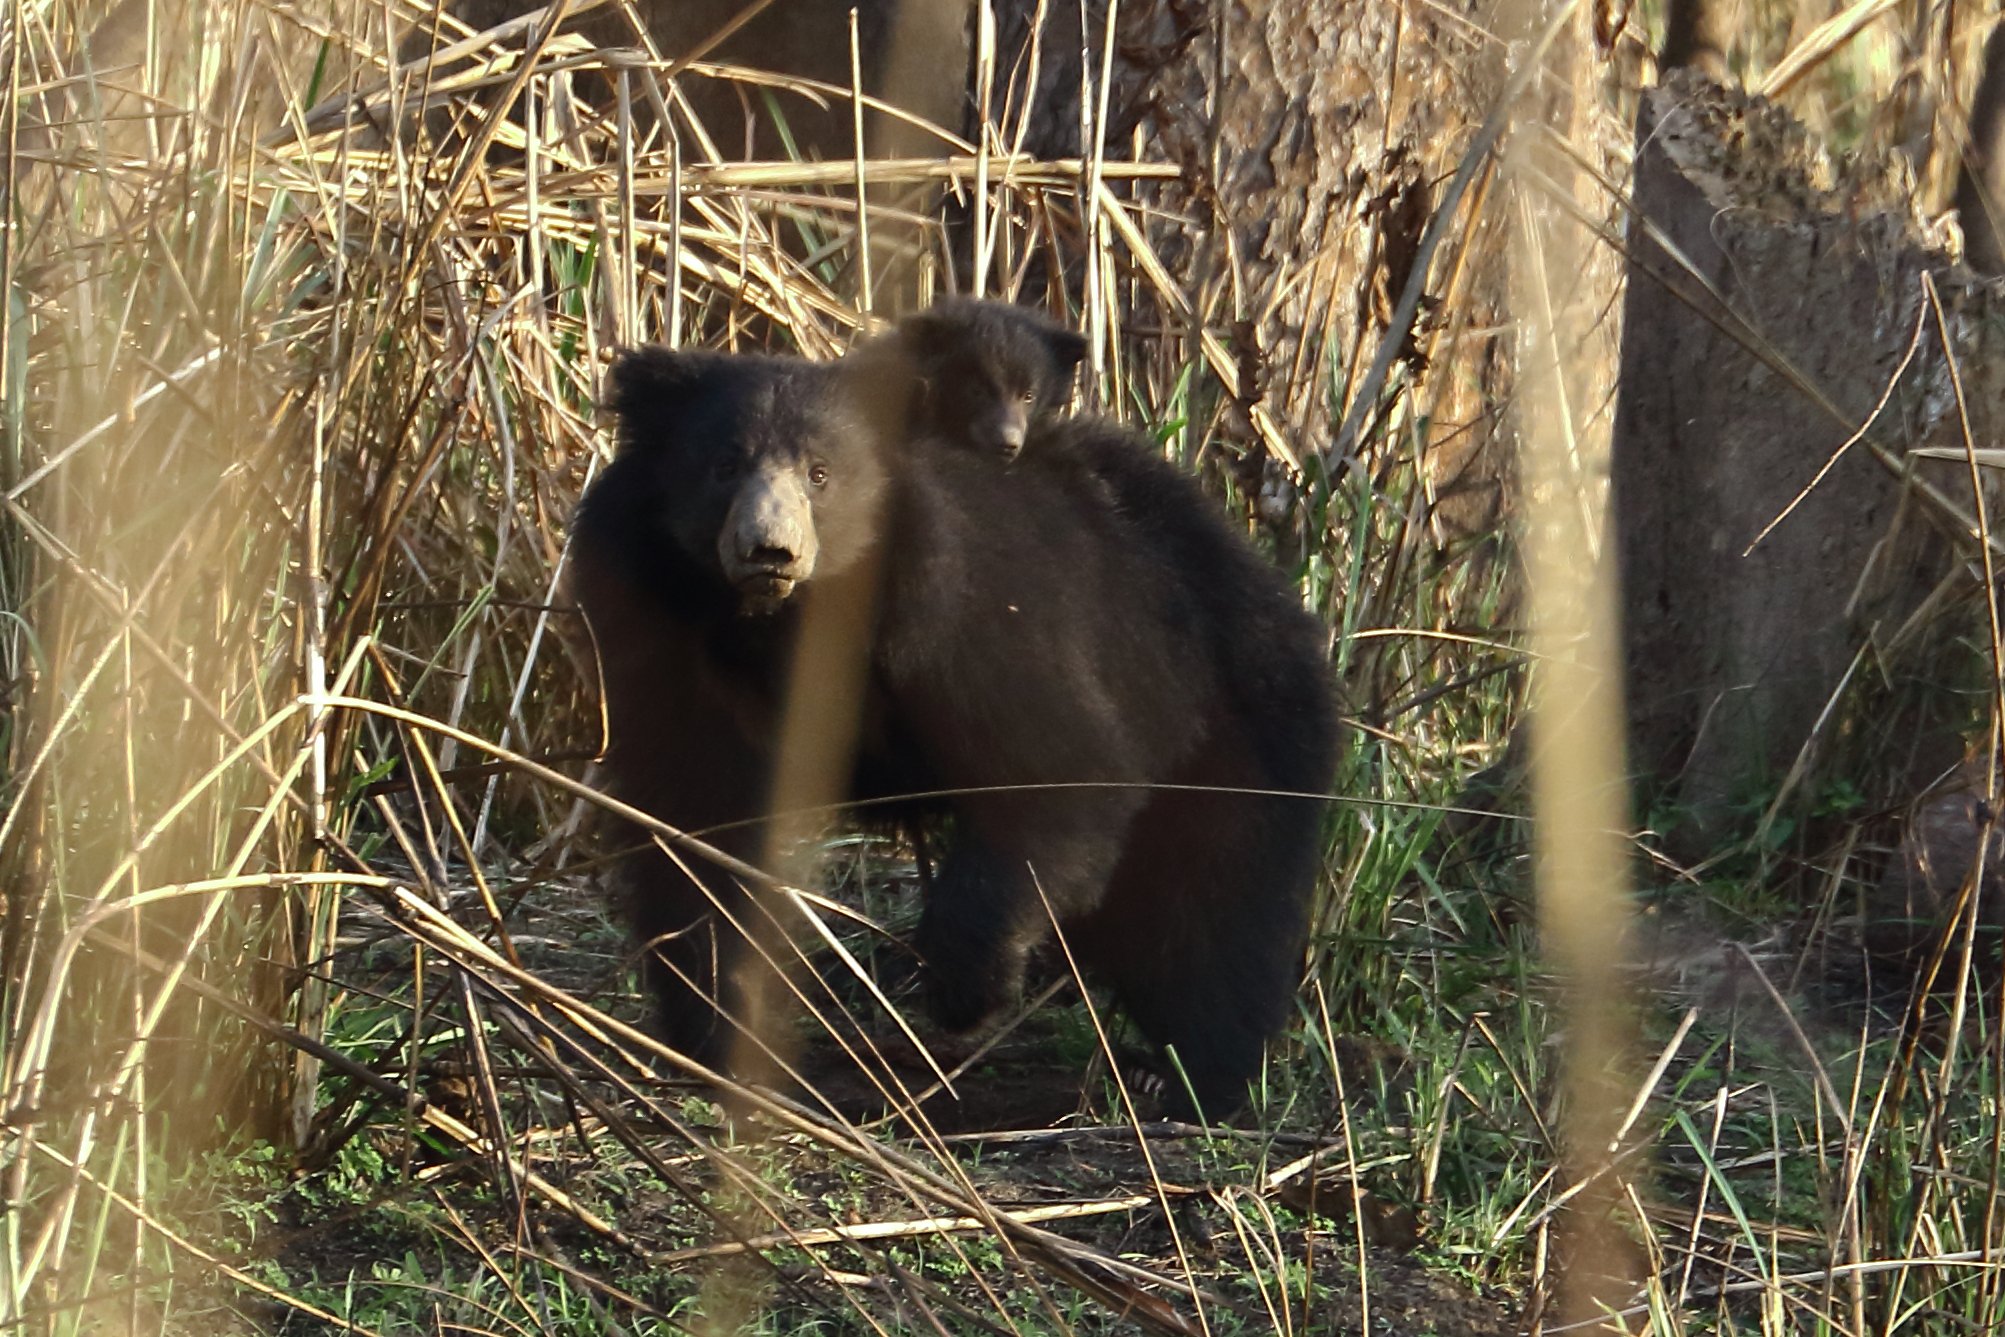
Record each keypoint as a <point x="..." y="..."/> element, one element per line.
<point x="302" y="354"/>
<point x="310" y="1017"/>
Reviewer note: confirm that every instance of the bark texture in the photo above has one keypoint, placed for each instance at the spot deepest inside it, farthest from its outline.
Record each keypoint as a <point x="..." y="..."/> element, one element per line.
<point x="1742" y="377"/>
<point x="1980" y="179"/>
<point x="1311" y="135"/>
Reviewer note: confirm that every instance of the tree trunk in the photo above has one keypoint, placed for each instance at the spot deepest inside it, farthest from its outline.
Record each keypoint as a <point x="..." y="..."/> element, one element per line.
<point x="1753" y="650"/>
<point x="1697" y="34"/>
<point x="1312" y="135"/>
<point x="1980" y="177"/>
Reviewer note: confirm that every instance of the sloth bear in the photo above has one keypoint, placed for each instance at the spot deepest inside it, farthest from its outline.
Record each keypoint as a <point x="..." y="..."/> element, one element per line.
<point x="737" y="478"/>
<point x="1131" y="704"/>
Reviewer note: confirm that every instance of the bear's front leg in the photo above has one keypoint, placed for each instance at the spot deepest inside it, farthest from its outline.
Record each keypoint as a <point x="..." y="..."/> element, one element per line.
<point x="692" y="919"/>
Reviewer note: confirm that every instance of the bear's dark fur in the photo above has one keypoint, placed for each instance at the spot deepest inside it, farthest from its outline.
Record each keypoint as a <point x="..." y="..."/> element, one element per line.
<point x="1087" y="618"/>
<point x="985" y="375"/>
<point x="1081" y="635"/>
<point x="736" y="479"/>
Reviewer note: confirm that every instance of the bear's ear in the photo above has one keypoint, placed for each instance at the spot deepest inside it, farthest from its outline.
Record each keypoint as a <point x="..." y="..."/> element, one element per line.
<point x="654" y="380"/>
<point x="1067" y="349"/>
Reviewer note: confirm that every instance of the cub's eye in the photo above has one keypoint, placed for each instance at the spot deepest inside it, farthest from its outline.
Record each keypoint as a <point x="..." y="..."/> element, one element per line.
<point x="818" y="474"/>
<point x="1028" y="396"/>
<point x="724" y="470"/>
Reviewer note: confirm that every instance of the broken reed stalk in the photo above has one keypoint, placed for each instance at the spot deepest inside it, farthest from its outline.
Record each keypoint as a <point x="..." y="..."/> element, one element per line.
<point x="1579" y="795"/>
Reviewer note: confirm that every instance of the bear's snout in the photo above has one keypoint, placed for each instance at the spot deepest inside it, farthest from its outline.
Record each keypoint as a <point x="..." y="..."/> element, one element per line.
<point x="767" y="544"/>
<point x="1007" y="428"/>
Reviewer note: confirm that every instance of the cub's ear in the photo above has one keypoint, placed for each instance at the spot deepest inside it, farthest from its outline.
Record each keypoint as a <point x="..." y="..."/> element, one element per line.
<point x="652" y="380"/>
<point x="1067" y="349"/>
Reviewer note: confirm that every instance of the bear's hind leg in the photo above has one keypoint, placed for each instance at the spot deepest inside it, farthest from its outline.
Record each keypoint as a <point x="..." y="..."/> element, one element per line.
<point x="986" y="911"/>
<point x="1214" y="1040"/>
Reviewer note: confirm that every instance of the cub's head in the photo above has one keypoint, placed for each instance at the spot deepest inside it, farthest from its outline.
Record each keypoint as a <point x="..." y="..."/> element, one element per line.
<point x="754" y="469"/>
<point x="986" y="373"/>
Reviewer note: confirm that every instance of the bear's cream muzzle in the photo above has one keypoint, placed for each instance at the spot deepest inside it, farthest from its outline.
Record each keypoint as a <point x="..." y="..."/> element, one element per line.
<point x="767" y="545"/>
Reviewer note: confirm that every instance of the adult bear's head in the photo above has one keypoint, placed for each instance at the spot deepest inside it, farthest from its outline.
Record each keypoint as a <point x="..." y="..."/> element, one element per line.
<point x="757" y="469"/>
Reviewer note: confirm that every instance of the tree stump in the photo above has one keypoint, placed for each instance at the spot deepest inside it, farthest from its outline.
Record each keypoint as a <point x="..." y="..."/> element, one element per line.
<point x="1771" y="302"/>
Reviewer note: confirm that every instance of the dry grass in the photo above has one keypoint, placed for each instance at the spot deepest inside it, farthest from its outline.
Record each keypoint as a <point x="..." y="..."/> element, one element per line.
<point x="295" y="412"/>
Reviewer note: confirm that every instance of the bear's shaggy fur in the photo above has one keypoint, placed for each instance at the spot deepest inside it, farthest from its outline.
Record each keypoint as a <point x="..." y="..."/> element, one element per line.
<point x="985" y="375"/>
<point x="736" y="480"/>
<point x="1136" y="695"/>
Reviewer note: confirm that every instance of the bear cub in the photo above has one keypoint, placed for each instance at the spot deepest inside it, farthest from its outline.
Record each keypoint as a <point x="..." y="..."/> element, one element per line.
<point x="1146" y="645"/>
<point x="985" y="375"/>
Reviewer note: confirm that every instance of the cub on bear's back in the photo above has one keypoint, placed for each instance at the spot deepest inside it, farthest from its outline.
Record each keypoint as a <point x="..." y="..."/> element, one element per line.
<point x="1197" y="911"/>
<point x="982" y="374"/>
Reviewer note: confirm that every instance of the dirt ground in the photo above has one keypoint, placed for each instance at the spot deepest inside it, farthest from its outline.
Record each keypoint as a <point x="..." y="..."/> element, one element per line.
<point x="1035" y="1131"/>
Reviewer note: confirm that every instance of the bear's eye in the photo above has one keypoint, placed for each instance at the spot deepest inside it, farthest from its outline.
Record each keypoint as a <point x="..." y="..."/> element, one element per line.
<point x="818" y="474"/>
<point x="725" y="470"/>
<point x="1028" y="396"/>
